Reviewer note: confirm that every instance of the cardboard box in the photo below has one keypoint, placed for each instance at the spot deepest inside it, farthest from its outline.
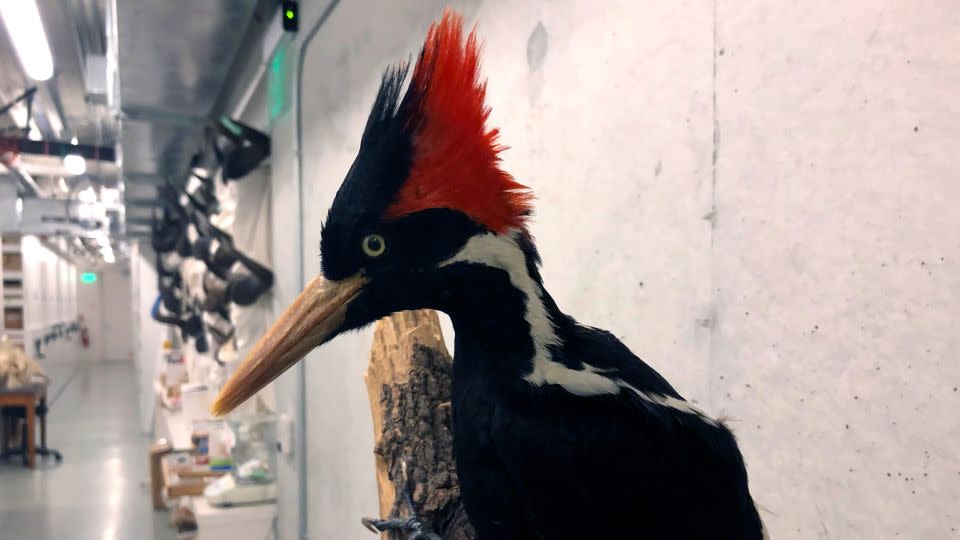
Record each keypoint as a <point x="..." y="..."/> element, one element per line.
<point x="12" y="262"/>
<point x="13" y="318"/>
<point x="185" y="479"/>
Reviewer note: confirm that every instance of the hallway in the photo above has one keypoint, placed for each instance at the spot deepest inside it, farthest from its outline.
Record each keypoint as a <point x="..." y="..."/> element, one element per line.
<point x="99" y="491"/>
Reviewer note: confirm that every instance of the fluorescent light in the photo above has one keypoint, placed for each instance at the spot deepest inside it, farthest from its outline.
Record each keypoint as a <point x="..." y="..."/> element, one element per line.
<point x="56" y="126"/>
<point x="103" y="240"/>
<point x="22" y="19"/>
<point x="73" y="141"/>
<point x="110" y="195"/>
<point x="88" y="196"/>
<point x="34" y="134"/>
<point x="19" y="114"/>
<point x="75" y="164"/>
<point x="109" y="258"/>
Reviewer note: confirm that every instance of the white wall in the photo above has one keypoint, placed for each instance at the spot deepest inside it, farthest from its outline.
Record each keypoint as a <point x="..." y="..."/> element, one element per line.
<point x="50" y="289"/>
<point x="149" y="335"/>
<point x="105" y="306"/>
<point x="285" y="250"/>
<point x="836" y="255"/>
<point x="90" y="308"/>
<point x="115" y="285"/>
<point x="764" y="226"/>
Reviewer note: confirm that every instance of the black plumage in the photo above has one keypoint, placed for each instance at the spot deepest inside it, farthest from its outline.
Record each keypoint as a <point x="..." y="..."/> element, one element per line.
<point x="541" y="462"/>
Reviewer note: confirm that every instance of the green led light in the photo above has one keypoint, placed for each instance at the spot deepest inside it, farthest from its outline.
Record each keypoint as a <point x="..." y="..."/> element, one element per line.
<point x="278" y="84"/>
<point x="88" y="277"/>
<point x="289" y="13"/>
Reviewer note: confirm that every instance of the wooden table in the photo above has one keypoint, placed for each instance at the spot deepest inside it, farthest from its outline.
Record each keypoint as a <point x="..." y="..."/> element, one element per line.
<point x="25" y="397"/>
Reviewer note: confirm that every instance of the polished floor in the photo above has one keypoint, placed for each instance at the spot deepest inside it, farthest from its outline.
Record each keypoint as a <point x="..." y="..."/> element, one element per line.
<point x="101" y="490"/>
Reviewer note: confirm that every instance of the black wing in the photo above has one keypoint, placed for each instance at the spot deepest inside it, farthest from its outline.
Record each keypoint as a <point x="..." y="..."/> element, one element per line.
<point x="625" y="465"/>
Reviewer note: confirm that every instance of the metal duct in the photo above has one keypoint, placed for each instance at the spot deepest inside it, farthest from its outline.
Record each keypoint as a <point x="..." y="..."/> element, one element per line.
<point x="174" y="57"/>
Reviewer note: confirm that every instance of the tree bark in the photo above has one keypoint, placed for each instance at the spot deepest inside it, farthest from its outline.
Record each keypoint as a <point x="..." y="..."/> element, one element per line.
<point x="409" y="383"/>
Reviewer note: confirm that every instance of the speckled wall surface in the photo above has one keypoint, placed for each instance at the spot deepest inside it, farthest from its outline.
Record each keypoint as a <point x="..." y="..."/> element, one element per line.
<point x="757" y="197"/>
<point x="837" y="262"/>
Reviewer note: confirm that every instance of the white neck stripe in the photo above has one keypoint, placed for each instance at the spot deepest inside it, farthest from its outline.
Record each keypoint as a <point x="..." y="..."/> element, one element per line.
<point x="503" y="252"/>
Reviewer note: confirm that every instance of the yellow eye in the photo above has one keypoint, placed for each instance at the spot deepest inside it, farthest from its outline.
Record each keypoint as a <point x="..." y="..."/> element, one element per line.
<point x="373" y="245"/>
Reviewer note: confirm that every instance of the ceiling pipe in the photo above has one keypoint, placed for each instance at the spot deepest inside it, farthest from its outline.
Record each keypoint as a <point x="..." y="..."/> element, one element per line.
<point x="59" y="148"/>
<point x="79" y="245"/>
<point x="27" y="96"/>
<point x="142" y="203"/>
<point x="142" y="177"/>
<point x="140" y="113"/>
<point x="26" y="184"/>
<point x="142" y="221"/>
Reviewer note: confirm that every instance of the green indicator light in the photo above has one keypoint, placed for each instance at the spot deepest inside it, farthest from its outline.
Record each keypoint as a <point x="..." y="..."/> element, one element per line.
<point x="88" y="277"/>
<point x="289" y="13"/>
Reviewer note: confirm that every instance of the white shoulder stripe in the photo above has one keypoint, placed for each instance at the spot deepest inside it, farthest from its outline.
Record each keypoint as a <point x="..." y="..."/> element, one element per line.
<point x="671" y="402"/>
<point x="503" y="252"/>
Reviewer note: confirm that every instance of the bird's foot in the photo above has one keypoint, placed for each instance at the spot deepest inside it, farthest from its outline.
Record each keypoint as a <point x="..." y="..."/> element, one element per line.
<point x="414" y="525"/>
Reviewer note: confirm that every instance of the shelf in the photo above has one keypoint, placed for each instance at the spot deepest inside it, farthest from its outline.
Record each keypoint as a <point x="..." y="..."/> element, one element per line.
<point x="173" y="426"/>
<point x="13" y="276"/>
<point x="182" y="482"/>
<point x="241" y="522"/>
<point x="14" y="335"/>
<point x="11" y="249"/>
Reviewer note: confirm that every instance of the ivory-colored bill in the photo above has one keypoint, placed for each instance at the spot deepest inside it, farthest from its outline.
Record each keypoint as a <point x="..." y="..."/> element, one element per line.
<point x="315" y="316"/>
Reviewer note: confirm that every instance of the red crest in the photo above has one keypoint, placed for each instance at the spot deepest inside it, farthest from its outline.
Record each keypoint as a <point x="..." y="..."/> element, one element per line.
<point x="456" y="158"/>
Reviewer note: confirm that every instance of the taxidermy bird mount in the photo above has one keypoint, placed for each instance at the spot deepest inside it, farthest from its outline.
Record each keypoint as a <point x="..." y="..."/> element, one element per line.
<point x="560" y="431"/>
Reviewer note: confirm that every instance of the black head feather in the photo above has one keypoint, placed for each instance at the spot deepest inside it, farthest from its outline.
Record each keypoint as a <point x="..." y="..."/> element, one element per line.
<point x="380" y="168"/>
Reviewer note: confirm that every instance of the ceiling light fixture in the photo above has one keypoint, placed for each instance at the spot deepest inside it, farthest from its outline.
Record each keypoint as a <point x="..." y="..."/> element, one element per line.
<point x="22" y="19"/>
<point x="88" y="195"/>
<point x="34" y="134"/>
<point x="75" y="164"/>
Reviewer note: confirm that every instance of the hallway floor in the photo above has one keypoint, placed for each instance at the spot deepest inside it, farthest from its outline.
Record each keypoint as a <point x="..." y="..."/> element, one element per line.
<point x="101" y="490"/>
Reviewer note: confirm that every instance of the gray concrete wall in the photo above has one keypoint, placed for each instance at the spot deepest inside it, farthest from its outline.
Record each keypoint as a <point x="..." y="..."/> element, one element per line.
<point x="837" y="259"/>
<point x="756" y="197"/>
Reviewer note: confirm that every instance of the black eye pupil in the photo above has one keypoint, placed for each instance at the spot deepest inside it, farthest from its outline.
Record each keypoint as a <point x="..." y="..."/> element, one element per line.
<point x="373" y="243"/>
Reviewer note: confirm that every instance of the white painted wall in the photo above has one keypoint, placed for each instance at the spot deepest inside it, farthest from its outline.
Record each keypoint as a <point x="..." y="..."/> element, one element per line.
<point x="285" y="249"/>
<point x="762" y="225"/>
<point x="115" y="286"/>
<point x="837" y="259"/>
<point x="105" y="306"/>
<point x="90" y="307"/>
<point x="50" y="295"/>
<point x="149" y="335"/>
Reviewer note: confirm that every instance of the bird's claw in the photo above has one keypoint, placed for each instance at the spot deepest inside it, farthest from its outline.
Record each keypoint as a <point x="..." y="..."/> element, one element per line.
<point x="379" y="525"/>
<point x="412" y="524"/>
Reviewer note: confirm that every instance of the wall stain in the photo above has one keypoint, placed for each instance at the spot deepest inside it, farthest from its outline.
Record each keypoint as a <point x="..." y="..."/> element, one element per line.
<point x="537" y="47"/>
